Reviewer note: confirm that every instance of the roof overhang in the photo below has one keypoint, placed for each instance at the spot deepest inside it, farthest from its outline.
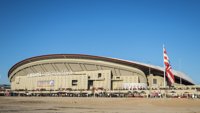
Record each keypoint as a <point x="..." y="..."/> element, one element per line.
<point x="142" y="66"/>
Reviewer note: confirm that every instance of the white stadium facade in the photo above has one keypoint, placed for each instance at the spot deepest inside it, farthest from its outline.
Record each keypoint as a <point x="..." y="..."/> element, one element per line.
<point x="85" y="72"/>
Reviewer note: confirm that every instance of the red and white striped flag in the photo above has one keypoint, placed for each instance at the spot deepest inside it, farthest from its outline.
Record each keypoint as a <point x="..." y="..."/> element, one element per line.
<point x="168" y="68"/>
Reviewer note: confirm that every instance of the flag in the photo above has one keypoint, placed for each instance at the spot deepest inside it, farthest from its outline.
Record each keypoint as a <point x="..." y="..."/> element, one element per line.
<point x="168" y="68"/>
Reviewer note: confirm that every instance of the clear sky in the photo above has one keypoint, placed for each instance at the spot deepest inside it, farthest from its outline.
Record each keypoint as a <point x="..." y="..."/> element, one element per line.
<point x="126" y="29"/>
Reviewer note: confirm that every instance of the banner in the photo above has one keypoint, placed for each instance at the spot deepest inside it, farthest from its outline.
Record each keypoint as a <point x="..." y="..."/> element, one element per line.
<point x="132" y="86"/>
<point x="45" y="83"/>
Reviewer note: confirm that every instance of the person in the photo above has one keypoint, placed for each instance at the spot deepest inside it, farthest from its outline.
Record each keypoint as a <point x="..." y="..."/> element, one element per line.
<point x="192" y="96"/>
<point x="159" y="94"/>
<point x="7" y="93"/>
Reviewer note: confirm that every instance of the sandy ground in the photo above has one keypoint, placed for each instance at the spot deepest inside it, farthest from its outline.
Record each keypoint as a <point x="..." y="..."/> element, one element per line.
<point x="96" y="105"/>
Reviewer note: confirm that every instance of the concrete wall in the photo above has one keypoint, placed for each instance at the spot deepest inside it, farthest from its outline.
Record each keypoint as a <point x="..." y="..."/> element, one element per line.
<point x="20" y="80"/>
<point x="100" y="79"/>
<point x="76" y="65"/>
<point x="159" y="80"/>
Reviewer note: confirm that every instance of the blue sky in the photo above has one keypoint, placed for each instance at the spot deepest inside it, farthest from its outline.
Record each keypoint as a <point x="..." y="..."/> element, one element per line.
<point x="126" y="29"/>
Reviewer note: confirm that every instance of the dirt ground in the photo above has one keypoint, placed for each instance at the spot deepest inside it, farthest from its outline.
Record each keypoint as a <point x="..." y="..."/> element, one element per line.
<point x="97" y="105"/>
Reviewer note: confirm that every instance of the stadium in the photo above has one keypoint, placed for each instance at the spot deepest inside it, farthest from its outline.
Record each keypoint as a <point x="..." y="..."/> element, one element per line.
<point x="85" y="72"/>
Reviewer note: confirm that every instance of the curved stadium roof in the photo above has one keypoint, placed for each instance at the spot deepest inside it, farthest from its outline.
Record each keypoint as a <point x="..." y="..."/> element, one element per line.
<point x="142" y="66"/>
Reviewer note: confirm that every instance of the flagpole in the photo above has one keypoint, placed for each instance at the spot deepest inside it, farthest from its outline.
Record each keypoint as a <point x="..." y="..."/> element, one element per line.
<point x="180" y="70"/>
<point x="164" y="65"/>
<point x="0" y="78"/>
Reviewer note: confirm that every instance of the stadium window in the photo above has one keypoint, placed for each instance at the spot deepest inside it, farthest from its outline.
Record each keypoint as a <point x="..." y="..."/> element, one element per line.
<point x="154" y="81"/>
<point x="99" y="75"/>
<point x="74" y="82"/>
